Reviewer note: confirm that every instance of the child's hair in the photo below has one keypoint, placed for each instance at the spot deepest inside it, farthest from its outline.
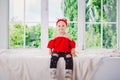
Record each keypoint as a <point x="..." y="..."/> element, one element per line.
<point x="62" y="19"/>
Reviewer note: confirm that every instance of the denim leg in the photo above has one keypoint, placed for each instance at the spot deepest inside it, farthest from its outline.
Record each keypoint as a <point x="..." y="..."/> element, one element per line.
<point x="54" y="60"/>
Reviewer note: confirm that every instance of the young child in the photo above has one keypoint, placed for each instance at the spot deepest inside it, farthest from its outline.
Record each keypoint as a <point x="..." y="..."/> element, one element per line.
<point x="61" y="45"/>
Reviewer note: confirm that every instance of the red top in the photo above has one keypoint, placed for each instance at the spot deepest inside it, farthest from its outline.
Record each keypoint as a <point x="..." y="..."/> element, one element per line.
<point x="61" y="44"/>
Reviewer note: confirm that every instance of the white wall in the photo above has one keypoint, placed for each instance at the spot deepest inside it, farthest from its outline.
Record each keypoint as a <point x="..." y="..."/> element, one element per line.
<point x="4" y="23"/>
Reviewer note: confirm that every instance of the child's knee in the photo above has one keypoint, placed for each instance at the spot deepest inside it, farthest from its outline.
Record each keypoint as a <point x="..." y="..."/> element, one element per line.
<point x="55" y="55"/>
<point x="68" y="56"/>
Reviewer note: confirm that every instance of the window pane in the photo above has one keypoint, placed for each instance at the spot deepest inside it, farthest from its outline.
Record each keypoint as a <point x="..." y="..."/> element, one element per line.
<point x="33" y="35"/>
<point x="73" y="31"/>
<point x="109" y="8"/>
<point x="55" y="10"/>
<point x="33" y="10"/>
<point x="16" y="9"/>
<point x="51" y="30"/>
<point x="71" y="9"/>
<point x="93" y="36"/>
<point x="16" y="35"/>
<point x="93" y="10"/>
<point x="63" y="8"/>
<point x="109" y="36"/>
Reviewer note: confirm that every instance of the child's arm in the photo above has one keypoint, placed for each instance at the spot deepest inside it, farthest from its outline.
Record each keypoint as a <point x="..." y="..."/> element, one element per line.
<point x="50" y="51"/>
<point x="73" y="52"/>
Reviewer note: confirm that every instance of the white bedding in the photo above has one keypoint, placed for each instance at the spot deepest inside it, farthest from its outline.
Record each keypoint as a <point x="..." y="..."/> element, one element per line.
<point x="109" y="69"/>
<point x="26" y="64"/>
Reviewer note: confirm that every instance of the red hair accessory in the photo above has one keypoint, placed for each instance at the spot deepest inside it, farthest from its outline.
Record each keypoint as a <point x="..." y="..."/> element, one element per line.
<point x="64" y="20"/>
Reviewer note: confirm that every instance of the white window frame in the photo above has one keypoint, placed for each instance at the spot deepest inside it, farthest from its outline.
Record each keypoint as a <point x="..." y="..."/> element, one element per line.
<point x="44" y="23"/>
<point x="25" y="22"/>
<point x="81" y="24"/>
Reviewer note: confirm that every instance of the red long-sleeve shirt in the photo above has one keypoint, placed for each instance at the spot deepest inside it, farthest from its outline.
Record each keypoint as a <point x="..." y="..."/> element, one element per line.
<point x="61" y="44"/>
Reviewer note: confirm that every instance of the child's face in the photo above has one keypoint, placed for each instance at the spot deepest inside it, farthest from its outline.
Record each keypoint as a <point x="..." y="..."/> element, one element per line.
<point x="61" y="26"/>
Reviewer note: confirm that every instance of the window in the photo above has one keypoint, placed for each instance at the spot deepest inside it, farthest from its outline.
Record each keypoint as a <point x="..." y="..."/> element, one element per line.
<point x="24" y="23"/>
<point x="91" y="25"/>
<point x="101" y="24"/>
<point x="55" y="11"/>
<point x="63" y="9"/>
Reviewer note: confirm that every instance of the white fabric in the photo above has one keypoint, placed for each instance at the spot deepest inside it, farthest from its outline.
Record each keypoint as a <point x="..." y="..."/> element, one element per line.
<point x="23" y="64"/>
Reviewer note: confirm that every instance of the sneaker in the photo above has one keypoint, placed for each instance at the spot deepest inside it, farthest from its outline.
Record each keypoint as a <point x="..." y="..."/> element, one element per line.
<point x="53" y="74"/>
<point x="68" y="74"/>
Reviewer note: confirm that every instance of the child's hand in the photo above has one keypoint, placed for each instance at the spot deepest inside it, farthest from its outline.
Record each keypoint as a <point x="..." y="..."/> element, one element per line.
<point x="74" y="54"/>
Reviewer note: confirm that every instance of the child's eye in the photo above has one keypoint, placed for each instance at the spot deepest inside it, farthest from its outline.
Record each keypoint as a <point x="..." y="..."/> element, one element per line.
<point x="58" y="25"/>
<point x="62" y="25"/>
